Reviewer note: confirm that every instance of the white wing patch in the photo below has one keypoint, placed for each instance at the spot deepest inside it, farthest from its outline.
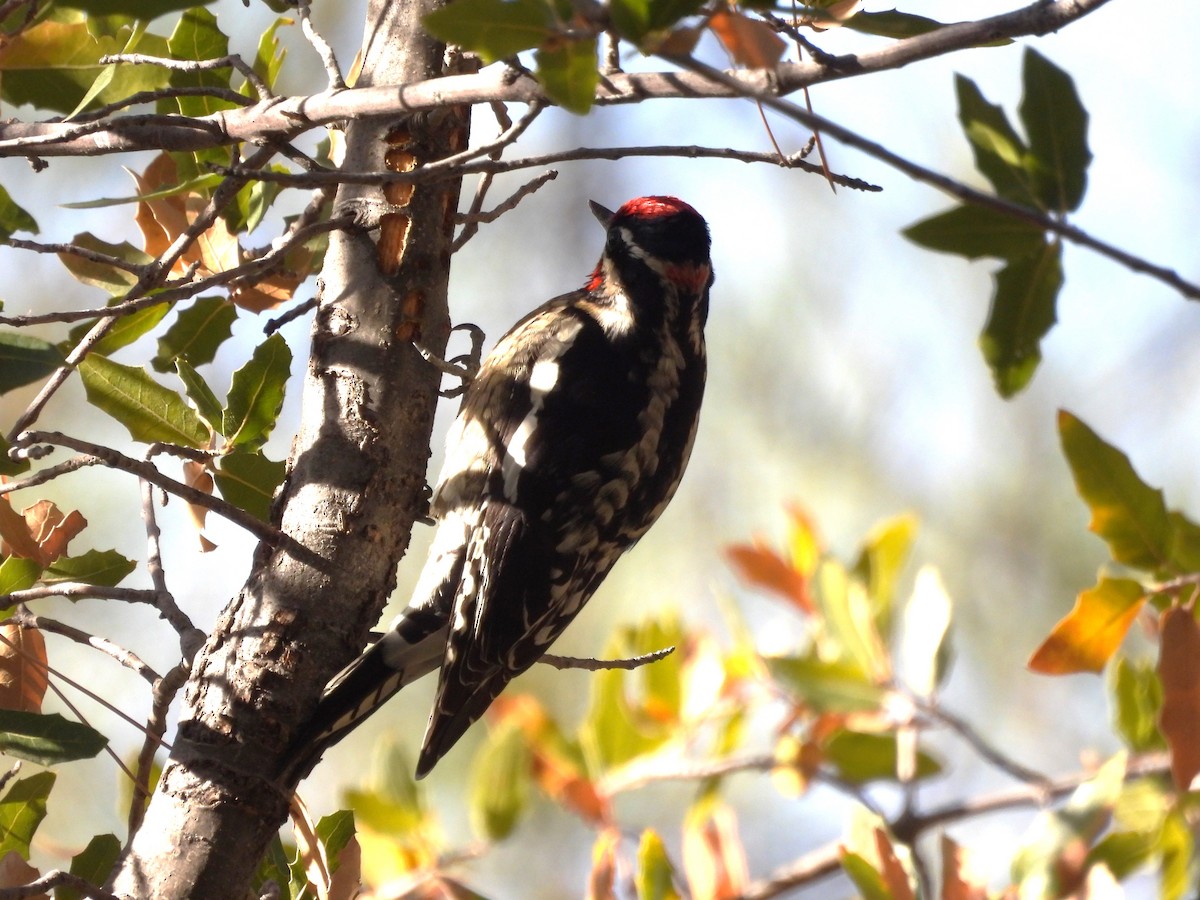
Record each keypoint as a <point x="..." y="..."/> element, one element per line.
<point x="542" y="379"/>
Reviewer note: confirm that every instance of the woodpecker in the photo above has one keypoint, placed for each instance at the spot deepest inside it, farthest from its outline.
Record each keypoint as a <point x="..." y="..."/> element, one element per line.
<point x="570" y="442"/>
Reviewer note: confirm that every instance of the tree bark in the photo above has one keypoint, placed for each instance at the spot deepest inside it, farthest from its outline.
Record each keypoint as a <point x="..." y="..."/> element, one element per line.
<point x="357" y="482"/>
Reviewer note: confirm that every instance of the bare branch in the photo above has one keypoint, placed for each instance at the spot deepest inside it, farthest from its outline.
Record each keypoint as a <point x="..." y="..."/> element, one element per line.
<point x="599" y="665"/>
<point x="233" y="61"/>
<point x="328" y="59"/>
<point x="73" y="590"/>
<point x="49" y="474"/>
<point x="284" y="118"/>
<point x="163" y="693"/>
<point x="127" y="658"/>
<point x="473" y="219"/>
<point x="54" y="879"/>
<point x="113" y="458"/>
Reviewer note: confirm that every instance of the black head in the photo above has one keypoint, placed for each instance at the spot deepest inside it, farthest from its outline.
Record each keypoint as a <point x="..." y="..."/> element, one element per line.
<point x="660" y="234"/>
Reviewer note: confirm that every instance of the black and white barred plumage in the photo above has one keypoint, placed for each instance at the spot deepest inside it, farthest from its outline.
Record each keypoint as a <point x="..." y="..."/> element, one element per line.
<point x="571" y="441"/>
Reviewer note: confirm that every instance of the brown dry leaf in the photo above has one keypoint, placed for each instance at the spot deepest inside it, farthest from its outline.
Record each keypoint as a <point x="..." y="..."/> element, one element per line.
<point x="51" y="529"/>
<point x="765" y="568"/>
<point x="750" y="42"/>
<point x="346" y="883"/>
<point x="713" y="856"/>
<point x="270" y="293"/>
<point x="23" y="668"/>
<point x="16" y="872"/>
<point x="602" y="881"/>
<point x="1087" y="637"/>
<point x="196" y="475"/>
<point x="163" y="219"/>
<point x="890" y="868"/>
<point x="217" y="247"/>
<point x="308" y="846"/>
<point x="15" y="535"/>
<point x="1179" y="672"/>
<point x="959" y="879"/>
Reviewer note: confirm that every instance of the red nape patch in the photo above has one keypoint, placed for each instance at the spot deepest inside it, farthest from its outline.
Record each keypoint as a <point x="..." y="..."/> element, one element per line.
<point x="650" y="207"/>
<point x="692" y="277"/>
<point x="597" y="279"/>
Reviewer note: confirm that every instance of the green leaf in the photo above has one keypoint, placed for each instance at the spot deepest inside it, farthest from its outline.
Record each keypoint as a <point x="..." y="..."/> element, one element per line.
<point x="976" y="231"/>
<point x="201" y="395"/>
<point x="142" y="9"/>
<point x="655" y="877"/>
<point x="47" y="739"/>
<point x="1176" y="848"/>
<point x="500" y="778"/>
<point x="127" y="329"/>
<point x="880" y="563"/>
<point x="569" y="73"/>
<point x="197" y="184"/>
<point x="865" y="877"/>
<point x="13" y="217"/>
<point x="1128" y="514"/>
<point x="18" y="574"/>
<point x="249" y="481"/>
<point x="1023" y="311"/>
<point x="93" y="864"/>
<point x="495" y="29"/>
<point x="54" y="64"/>
<point x="103" y="567"/>
<point x="826" y="686"/>
<point x="150" y="411"/>
<point x="256" y="394"/>
<point x="1056" y="123"/>
<point x="196" y="334"/>
<point x="860" y="757"/>
<point x="270" y="56"/>
<point x="851" y="635"/>
<point x="635" y="19"/>
<point x="113" y="280"/>
<point x="892" y="24"/>
<point x="22" y="810"/>
<point x="1137" y="700"/>
<point x="335" y="831"/>
<point x="25" y="359"/>
<point x="999" y="153"/>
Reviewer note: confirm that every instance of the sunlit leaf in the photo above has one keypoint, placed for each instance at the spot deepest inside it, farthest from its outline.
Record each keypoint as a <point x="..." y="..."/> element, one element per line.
<point x="150" y="411"/>
<point x="124" y="331"/>
<point x="850" y="633"/>
<point x="926" y="626"/>
<point x="102" y="567"/>
<point x="22" y="808"/>
<point x="880" y="564"/>
<point x="864" y="875"/>
<point x="1137" y="701"/>
<point x="892" y="24"/>
<point x="713" y="856"/>
<point x="147" y="9"/>
<point x="828" y="686"/>
<point x="1056" y="123"/>
<point x="495" y="29"/>
<point x="1123" y="852"/>
<point x="765" y="568"/>
<point x="13" y="218"/>
<point x="52" y="529"/>
<point x="1179" y="671"/>
<point x="1086" y="638"/>
<point x="602" y="880"/>
<point x="249" y="480"/>
<point x="960" y="881"/>
<point x="113" y="280"/>
<point x="25" y="359"/>
<point x="1176" y="852"/>
<point x="256" y="394"/>
<point x="500" y="782"/>
<point x="860" y="757"/>
<point x="18" y="574"/>
<point x="655" y="878"/>
<point x="23" y="668"/>
<point x="196" y="334"/>
<point x="268" y="60"/>
<point x="93" y="864"/>
<point x="999" y="152"/>
<point x="1129" y="515"/>
<point x="47" y="739"/>
<point x="975" y="232"/>
<point x="568" y="71"/>
<point x="200" y="394"/>
<point x="750" y="42"/>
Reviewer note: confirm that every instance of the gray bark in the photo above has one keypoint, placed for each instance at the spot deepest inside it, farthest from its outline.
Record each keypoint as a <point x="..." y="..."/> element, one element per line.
<point x="356" y="483"/>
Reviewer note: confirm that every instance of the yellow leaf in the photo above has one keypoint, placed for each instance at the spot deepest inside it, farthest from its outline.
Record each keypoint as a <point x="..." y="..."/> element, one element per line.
<point x="1085" y="639"/>
<point x="713" y="856"/>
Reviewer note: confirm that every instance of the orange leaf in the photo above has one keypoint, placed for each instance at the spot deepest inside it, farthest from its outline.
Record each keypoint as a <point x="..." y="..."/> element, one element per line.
<point x="765" y="568"/>
<point x="604" y="865"/>
<point x="959" y="880"/>
<point x="1086" y="637"/>
<point x="15" y="533"/>
<point x="713" y="856"/>
<point x="16" y="872"/>
<point x="51" y="529"/>
<point x="23" y="668"/>
<point x="890" y="868"/>
<point x="1179" y="671"/>
<point x="750" y="42"/>
<point x="196" y="475"/>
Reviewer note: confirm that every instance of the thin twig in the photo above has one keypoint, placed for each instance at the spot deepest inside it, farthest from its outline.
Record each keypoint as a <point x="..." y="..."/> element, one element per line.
<point x="233" y="61"/>
<point x="127" y="658"/>
<point x="599" y="665"/>
<point x="73" y="590"/>
<point x="75" y="250"/>
<point x="162" y="694"/>
<point x="54" y="879"/>
<point x="166" y="93"/>
<point x="473" y="219"/>
<point x="117" y="460"/>
<point x="49" y="473"/>
<point x="328" y="59"/>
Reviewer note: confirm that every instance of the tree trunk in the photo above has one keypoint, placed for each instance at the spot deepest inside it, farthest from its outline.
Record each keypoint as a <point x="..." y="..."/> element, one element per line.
<point x="356" y="484"/>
